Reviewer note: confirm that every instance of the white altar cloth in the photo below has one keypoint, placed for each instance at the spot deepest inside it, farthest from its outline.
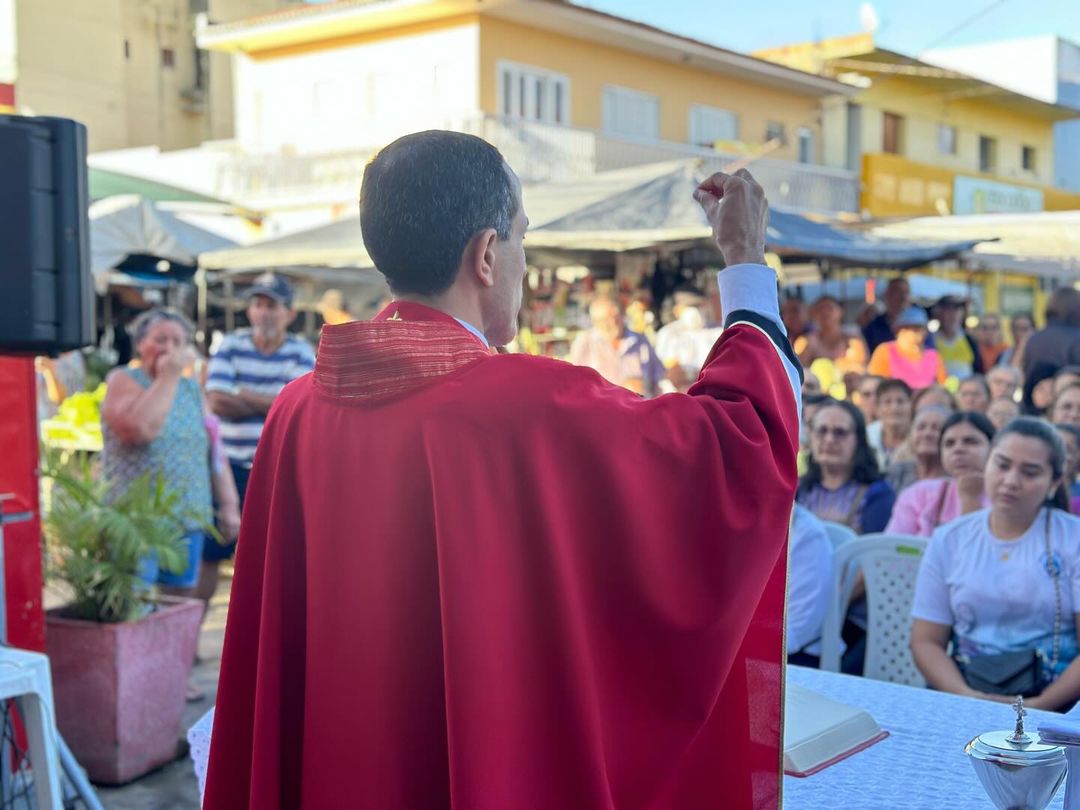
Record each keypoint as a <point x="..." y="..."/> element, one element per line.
<point x="920" y="766"/>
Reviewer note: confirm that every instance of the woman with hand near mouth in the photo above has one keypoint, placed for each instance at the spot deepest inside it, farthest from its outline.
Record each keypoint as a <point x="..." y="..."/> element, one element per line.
<point x="964" y="444"/>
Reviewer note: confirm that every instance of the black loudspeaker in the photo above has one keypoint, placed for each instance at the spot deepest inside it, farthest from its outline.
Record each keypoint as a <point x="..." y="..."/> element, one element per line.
<point x="46" y="287"/>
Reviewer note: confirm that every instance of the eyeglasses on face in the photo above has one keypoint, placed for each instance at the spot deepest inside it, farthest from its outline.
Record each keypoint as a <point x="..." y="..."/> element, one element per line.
<point x="824" y="432"/>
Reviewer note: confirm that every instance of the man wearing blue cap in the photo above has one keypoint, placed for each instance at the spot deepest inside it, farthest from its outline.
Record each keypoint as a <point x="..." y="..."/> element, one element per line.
<point x="246" y="373"/>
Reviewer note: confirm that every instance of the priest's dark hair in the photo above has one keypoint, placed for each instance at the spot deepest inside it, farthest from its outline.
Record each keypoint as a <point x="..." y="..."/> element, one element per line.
<point x="423" y="198"/>
<point x="866" y="470"/>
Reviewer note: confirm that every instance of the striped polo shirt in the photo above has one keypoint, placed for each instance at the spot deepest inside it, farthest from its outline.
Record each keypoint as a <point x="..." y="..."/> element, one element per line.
<point x="238" y="364"/>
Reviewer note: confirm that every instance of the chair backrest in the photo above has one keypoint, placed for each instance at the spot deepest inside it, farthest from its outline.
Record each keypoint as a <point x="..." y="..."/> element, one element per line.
<point x="890" y="565"/>
<point x="839" y="534"/>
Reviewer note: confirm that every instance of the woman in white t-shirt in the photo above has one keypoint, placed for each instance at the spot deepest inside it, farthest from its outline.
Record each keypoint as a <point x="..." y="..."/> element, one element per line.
<point x="1006" y="579"/>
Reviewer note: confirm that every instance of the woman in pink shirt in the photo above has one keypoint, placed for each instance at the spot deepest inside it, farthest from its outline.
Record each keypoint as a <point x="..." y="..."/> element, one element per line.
<point x="925" y="505"/>
<point x="907" y="358"/>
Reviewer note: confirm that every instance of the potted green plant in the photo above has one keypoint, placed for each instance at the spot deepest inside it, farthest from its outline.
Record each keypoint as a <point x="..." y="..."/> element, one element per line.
<point x="121" y="652"/>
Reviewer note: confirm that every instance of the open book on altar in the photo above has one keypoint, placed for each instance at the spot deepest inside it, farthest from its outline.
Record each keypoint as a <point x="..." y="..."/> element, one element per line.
<point x="819" y="731"/>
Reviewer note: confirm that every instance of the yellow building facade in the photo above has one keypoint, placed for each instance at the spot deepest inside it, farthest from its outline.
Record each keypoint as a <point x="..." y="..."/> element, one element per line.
<point x="933" y="141"/>
<point x="591" y="67"/>
<point x="679" y="91"/>
<point x="897" y="187"/>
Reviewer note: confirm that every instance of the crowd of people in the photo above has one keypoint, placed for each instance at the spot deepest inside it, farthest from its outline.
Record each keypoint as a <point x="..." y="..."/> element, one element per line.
<point x="924" y="422"/>
<point x="905" y="431"/>
<point x="917" y="421"/>
<point x="972" y="442"/>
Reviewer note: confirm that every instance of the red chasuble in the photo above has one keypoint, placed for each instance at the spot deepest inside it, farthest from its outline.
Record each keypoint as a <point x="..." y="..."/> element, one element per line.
<point x="498" y="582"/>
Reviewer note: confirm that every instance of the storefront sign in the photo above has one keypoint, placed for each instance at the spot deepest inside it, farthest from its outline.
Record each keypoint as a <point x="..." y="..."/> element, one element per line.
<point x="972" y="195"/>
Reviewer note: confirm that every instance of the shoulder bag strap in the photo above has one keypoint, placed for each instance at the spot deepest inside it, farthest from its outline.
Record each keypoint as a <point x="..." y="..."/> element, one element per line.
<point x="1055" y="572"/>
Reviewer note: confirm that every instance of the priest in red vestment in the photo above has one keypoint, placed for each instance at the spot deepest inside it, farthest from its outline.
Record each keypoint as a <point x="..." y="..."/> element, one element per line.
<point x="485" y="581"/>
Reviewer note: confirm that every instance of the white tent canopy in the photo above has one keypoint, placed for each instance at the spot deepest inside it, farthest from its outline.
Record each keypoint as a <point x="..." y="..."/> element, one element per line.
<point x="1045" y="244"/>
<point x="637" y="208"/>
<point x="127" y="226"/>
<point x="340" y="243"/>
<point x="336" y="244"/>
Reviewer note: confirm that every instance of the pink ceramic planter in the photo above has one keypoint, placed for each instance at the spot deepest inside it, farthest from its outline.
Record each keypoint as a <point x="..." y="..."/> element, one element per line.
<point x="120" y="688"/>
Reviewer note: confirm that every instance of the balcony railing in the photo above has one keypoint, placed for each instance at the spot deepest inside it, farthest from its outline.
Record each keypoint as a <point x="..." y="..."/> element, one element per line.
<point x="539" y="153"/>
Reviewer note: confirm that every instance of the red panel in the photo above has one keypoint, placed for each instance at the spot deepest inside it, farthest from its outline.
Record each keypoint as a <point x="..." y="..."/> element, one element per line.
<point x="19" y="476"/>
<point x="7" y="95"/>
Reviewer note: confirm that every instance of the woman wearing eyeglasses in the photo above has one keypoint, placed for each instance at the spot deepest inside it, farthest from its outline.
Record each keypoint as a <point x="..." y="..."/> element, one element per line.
<point x="843" y="483"/>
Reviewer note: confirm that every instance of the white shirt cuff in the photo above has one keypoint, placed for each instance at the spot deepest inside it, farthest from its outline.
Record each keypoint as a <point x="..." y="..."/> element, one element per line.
<point x="749" y="286"/>
<point x="753" y="287"/>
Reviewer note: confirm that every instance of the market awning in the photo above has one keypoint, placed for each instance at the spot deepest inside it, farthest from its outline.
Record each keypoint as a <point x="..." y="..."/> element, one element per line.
<point x="640" y="208"/>
<point x="134" y="237"/>
<point x="1044" y="244"/>
<point x="340" y="243"/>
<point x="336" y="244"/>
<point x="110" y="183"/>
<point x="661" y="210"/>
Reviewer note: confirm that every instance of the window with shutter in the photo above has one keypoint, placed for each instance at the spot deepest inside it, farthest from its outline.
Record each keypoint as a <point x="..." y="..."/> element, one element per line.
<point x="533" y="94"/>
<point x="711" y="124"/>
<point x="631" y="114"/>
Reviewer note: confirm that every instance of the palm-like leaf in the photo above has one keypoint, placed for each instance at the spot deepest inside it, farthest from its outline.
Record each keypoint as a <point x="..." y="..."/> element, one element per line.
<point x="97" y="544"/>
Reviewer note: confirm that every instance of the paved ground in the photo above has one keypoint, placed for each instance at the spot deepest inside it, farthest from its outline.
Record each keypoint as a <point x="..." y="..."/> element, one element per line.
<point x="173" y="787"/>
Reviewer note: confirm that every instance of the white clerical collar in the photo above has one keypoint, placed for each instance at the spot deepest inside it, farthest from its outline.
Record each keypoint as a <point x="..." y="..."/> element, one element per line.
<point x="474" y="330"/>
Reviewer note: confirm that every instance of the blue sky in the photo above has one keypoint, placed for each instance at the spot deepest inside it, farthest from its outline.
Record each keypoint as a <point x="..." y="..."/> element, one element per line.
<point x="909" y="26"/>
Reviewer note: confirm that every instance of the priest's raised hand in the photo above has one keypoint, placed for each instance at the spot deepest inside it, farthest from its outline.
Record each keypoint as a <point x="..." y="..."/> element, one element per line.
<point x="738" y="212"/>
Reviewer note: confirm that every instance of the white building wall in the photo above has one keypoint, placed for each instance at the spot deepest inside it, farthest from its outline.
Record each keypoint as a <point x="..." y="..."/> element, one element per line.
<point x="1044" y="67"/>
<point x="357" y="96"/>
<point x="1027" y="65"/>
<point x="1068" y="76"/>
<point x="873" y="129"/>
<point x="834" y="131"/>
<point x="1067" y="133"/>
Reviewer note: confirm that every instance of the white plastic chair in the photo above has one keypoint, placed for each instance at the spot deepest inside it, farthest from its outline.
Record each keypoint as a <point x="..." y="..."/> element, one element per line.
<point x="890" y="565"/>
<point x="24" y="677"/>
<point x="839" y="534"/>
